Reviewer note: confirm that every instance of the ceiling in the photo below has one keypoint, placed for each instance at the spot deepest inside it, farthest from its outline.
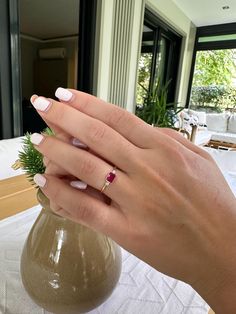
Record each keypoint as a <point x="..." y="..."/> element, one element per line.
<point x="208" y="12"/>
<point x="46" y="19"/>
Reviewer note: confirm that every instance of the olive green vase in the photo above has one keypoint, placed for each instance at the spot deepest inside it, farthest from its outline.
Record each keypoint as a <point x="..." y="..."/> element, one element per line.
<point x="67" y="268"/>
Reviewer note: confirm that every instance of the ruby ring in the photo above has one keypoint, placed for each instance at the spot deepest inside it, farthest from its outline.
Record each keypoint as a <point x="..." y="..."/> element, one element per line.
<point x="109" y="179"/>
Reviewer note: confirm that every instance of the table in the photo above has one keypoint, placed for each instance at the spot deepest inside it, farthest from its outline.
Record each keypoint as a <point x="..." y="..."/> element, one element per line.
<point x="141" y="289"/>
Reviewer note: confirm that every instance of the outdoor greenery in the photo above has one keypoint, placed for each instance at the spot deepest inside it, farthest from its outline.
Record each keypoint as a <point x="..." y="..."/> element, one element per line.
<point x="144" y="67"/>
<point x="155" y="109"/>
<point x="152" y="105"/>
<point x="214" y="83"/>
<point x="218" y="97"/>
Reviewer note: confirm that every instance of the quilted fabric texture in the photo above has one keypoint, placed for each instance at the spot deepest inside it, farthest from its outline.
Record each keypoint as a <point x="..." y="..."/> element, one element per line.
<point x="141" y="289"/>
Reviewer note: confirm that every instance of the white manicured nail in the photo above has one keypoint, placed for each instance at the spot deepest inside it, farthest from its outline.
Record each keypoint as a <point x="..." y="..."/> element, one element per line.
<point x="40" y="180"/>
<point x="33" y="97"/>
<point x="63" y="94"/>
<point x="41" y="104"/>
<point x="36" y="138"/>
<point x="78" y="185"/>
<point x="76" y="142"/>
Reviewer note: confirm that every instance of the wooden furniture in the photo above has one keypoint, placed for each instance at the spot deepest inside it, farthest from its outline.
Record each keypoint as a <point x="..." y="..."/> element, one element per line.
<point x="16" y="194"/>
<point x="221" y="144"/>
<point x="193" y="133"/>
<point x="211" y="312"/>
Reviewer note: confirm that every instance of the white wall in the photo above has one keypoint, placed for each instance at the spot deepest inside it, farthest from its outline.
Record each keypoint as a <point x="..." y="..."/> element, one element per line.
<point x="71" y="46"/>
<point x="169" y="13"/>
<point x="29" y="53"/>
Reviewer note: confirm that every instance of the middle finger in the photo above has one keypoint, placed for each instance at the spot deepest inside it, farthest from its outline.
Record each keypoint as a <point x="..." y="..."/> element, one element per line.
<point x="99" y="137"/>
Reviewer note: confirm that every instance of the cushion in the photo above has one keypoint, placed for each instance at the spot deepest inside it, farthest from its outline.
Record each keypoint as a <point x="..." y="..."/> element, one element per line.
<point x="201" y="115"/>
<point x="232" y="124"/>
<point x="217" y="122"/>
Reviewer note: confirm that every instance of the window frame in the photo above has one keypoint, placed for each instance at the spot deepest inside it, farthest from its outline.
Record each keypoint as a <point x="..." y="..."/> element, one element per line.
<point x="161" y="29"/>
<point x="207" y="31"/>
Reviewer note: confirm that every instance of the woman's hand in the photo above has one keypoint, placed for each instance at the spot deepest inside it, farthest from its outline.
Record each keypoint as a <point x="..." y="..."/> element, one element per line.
<point x="55" y="170"/>
<point x="170" y="203"/>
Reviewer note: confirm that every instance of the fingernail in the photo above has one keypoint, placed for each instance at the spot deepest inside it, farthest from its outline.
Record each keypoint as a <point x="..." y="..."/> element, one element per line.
<point x="36" y="138"/>
<point x="40" y="180"/>
<point x="63" y="94"/>
<point x="41" y="104"/>
<point x="76" y="142"/>
<point x="33" y="97"/>
<point x="78" y="185"/>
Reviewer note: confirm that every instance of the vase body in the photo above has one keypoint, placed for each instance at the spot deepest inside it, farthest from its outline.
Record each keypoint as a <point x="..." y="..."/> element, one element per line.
<point x="67" y="268"/>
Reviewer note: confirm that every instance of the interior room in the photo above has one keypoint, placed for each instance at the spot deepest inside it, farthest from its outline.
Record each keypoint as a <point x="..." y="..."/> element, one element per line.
<point x="48" y="52"/>
<point x="141" y="55"/>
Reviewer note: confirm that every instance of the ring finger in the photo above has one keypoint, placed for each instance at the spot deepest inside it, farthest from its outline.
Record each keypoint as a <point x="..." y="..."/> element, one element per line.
<point x="83" y="165"/>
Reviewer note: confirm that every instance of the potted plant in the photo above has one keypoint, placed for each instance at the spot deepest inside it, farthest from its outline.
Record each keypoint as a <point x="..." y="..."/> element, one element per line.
<point x="155" y="109"/>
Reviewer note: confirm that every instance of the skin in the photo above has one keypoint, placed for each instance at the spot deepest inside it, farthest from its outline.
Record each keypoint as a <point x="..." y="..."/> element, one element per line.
<point x="169" y="203"/>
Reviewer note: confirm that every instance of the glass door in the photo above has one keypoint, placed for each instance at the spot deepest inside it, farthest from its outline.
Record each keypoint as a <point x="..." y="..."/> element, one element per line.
<point x="214" y="81"/>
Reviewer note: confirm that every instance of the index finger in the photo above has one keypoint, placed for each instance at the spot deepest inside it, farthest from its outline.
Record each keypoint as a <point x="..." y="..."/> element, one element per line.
<point x="131" y="127"/>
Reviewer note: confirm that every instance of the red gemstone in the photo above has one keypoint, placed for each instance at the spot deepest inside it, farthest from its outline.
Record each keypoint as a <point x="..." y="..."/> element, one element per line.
<point x="110" y="177"/>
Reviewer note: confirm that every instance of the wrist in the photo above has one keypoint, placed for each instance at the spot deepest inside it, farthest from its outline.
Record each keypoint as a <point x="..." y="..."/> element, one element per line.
<point x="223" y="300"/>
<point x="220" y="294"/>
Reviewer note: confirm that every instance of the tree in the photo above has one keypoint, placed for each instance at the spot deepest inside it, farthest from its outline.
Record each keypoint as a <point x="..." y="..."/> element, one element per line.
<point x="214" y="79"/>
<point x="215" y="67"/>
<point x="144" y="70"/>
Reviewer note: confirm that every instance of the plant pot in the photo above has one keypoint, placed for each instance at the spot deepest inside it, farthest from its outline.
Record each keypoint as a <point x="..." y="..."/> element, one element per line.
<point x="67" y="268"/>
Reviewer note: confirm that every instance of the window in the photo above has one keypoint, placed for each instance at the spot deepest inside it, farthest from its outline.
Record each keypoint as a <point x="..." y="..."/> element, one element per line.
<point x="213" y="78"/>
<point x="158" y="63"/>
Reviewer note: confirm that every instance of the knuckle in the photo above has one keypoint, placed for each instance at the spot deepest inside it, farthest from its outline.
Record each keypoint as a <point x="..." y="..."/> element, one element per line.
<point x="96" y="132"/>
<point x="169" y="132"/>
<point x="87" y="167"/>
<point x="116" y="117"/>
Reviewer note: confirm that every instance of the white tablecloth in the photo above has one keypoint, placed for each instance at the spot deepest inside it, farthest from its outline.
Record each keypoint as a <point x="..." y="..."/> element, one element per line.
<point x="141" y="289"/>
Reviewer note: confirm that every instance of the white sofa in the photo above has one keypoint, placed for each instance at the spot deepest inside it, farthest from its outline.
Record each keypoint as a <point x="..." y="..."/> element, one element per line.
<point x="220" y="127"/>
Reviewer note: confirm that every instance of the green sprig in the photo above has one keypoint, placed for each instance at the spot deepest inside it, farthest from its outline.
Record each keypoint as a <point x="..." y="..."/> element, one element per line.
<point x="31" y="160"/>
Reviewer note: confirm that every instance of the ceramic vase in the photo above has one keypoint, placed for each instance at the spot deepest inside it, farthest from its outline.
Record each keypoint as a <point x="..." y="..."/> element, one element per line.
<point x="67" y="268"/>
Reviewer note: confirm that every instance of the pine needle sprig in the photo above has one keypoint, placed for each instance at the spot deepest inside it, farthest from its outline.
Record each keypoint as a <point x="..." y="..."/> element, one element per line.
<point x="31" y="160"/>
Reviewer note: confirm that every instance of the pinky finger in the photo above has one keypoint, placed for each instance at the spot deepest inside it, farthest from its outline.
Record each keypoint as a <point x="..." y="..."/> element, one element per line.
<point x="81" y="207"/>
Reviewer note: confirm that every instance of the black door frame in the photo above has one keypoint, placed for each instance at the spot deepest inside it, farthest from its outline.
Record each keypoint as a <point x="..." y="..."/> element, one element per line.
<point x="11" y="124"/>
<point x="9" y="121"/>
<point x="87" y="45"/>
